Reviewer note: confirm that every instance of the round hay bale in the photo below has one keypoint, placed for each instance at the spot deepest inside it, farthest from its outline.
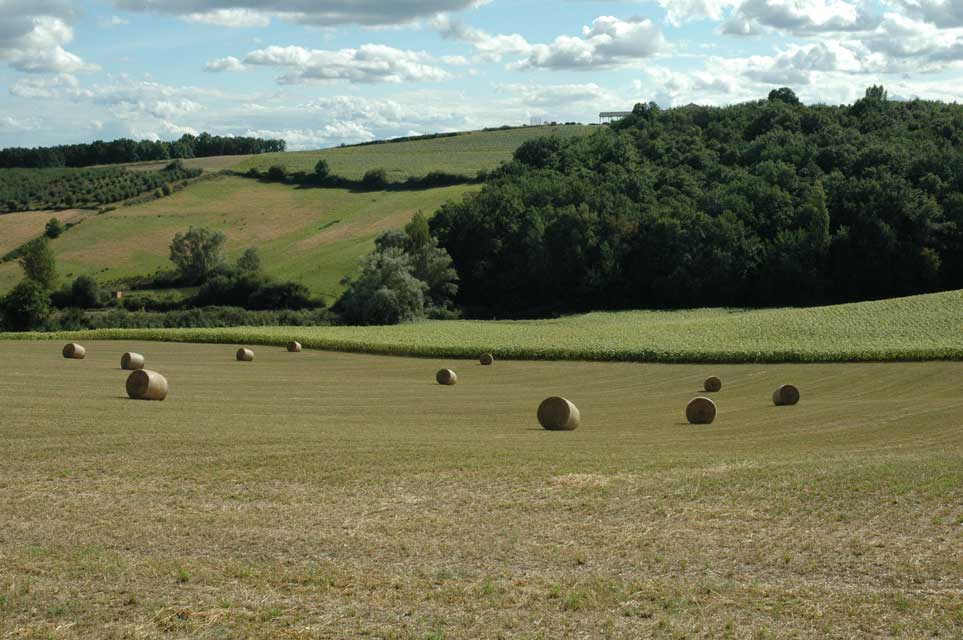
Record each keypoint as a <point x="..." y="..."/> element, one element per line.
<point x="487" y="359"/>
<point x="558" y="414"/>
<point x="712" y="384"/>
<point x="446" y="377"/>
<point x="131" y="361"/>
<point x="74" y="351"/>
<point x="785" y="395"/>
<point x="294" y="346"/>
<point x="245" y="355"/>
<point x="700" y="411"/>
<point x="145" y="384"/>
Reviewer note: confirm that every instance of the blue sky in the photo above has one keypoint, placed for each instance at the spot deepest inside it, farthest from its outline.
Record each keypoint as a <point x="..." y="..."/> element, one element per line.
<point x="323" y="72"/>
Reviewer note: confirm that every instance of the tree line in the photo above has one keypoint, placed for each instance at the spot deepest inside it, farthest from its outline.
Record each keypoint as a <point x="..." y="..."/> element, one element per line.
<point x="127" y="150"/>
<point x="770" y="202"/>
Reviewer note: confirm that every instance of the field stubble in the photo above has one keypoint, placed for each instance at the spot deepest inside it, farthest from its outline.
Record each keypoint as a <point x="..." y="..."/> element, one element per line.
<point x="327" y="495"/>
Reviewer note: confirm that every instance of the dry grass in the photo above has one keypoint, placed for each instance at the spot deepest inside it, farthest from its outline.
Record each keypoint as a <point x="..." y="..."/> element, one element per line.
<point x="344" y="496"/>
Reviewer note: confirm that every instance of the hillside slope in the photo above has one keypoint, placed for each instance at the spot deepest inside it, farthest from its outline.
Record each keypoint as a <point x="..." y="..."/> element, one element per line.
<point x="465" y="153"/>
<point x="313" y="236"/>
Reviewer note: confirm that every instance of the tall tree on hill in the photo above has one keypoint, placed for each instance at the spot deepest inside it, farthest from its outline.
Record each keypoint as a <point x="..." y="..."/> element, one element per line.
<point x="38" y="263"/>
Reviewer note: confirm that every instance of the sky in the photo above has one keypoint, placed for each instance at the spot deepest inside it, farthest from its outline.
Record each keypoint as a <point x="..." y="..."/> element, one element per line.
<point x="324" y="72"/>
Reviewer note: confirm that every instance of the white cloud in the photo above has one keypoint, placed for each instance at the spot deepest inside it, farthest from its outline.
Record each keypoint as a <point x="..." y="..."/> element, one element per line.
<point x="488" y="46"/>
<point x="33" y="36"/>
<point x="335" y="133"/>
<point x="313" y="12"/>
<point x="799" y="17"/>
<point x="369" y="63"/>
<point x="112" y="21"/>
<point x="234" y="18"/>
<point x="230" y="63"/>
<point x="609" y="42"/>
<point x="678" y="12"/>
<point x="941" y="13"/>
<point x="47" y="88"/>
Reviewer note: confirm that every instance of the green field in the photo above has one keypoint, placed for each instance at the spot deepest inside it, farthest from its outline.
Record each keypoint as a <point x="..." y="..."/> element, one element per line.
<point x="466" y="154"/>
<point x="326" y="495"/>
<point x="927" y="327"/>
<point x="209" y="164"/>
<point x="313" y="236"/>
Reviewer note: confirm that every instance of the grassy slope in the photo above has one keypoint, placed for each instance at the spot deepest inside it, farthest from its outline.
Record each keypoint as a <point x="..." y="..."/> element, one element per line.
<point x="18" y="228"/>
<point x="209" y="164"/>
<point x="466" y="154"/>
<point x="321" y="495"/>
<point x="923" y="327"/>
<point x="315" y="236"/>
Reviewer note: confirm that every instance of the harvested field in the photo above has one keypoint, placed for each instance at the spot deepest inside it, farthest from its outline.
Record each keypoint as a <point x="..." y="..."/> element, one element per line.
<point x="339" y="496"/>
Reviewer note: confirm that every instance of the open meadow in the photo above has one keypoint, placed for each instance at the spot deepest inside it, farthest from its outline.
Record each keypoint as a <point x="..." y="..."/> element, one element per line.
<point x="466" y="153"/>
<point x="330" y="495"/>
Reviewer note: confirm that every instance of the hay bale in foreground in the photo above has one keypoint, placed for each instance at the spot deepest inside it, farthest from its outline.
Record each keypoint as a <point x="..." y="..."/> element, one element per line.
<point x="294" y="346"/>
<point x="558" y="414"/>
<point x="700" y="411"/>
<point x="446" y="377"/>
<point x="487" y="359"/>
<point x="74" y="351"/>
<point x="245" y="355"/>
<point x="131" y="361"/>
<point x="712" y="384"/>
<point x="785" y="395"/>
<point x="145" y="384"/>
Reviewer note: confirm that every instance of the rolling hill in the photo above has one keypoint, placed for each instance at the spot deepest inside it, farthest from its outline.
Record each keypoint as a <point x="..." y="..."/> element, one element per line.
<point x="313" y="236"/>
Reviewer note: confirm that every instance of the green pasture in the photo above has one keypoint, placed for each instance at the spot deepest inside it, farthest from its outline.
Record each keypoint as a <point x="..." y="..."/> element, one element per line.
<point x="332" y="495"/>
<point x="466" y="153"/>
<point x="313" y="236"/>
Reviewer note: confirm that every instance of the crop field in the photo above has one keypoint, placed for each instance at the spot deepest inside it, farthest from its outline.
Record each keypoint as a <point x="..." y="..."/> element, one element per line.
<point x="466" y="154"/>
<point x="926" y="327"/>
<point x="331" y="495"/>
<point x="314" y="236"/>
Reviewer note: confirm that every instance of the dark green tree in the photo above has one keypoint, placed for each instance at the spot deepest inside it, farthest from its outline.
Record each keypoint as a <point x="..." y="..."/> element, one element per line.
<point x="26" y="307"/>
<point x="38" y="263"/>
<point x="54" y="229"/>
<point x="197" y="253"/>
<point x="249" y="262"/>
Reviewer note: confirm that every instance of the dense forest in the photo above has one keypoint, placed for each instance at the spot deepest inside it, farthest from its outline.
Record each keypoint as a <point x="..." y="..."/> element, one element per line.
<point x="126" y="150"/>
<point x="38" y="189"/>
<point x="764" y="203"/>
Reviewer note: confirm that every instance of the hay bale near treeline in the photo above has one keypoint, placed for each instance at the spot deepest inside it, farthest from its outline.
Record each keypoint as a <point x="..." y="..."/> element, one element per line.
<point x="558" y="414"/>
<point x="785" y="395"/>
<point x="145" y="384"/>
<point x="446" y="377"/>
<point x="487" y="359"/>
<point x="700" y="411"/>
<point x="294" y="346"/>
<point x="245" y="355"/>
<point x="131" y="361"/>
<point x="74" y="351"/>
<point x="712" y="384"/>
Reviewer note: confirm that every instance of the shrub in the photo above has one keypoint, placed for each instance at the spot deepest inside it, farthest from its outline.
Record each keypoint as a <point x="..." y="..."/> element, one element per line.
<point x="54" y="229"/>
<point x="26" y="307"/>
<point x="277" y="172"/>
<point x="375" y="179"/>
<point x="321" y="169"/>
<point x="85" y="292"/>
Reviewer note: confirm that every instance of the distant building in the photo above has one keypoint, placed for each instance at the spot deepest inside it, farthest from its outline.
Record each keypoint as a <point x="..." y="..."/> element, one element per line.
<point x="117" y="295"/>
<point x="613" y="116"/>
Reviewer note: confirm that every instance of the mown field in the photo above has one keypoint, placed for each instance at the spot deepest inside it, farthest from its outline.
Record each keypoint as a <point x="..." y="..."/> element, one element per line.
<point x="326" y="495"/>
<point x="926" y="327"/>
<point x="313" y="236"/>
<point x="21" y="227"/>
<point x="465" y="154"/>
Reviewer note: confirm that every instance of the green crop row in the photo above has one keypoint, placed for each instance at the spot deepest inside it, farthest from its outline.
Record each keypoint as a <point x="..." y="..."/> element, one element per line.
<point x="927" y="327"/>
